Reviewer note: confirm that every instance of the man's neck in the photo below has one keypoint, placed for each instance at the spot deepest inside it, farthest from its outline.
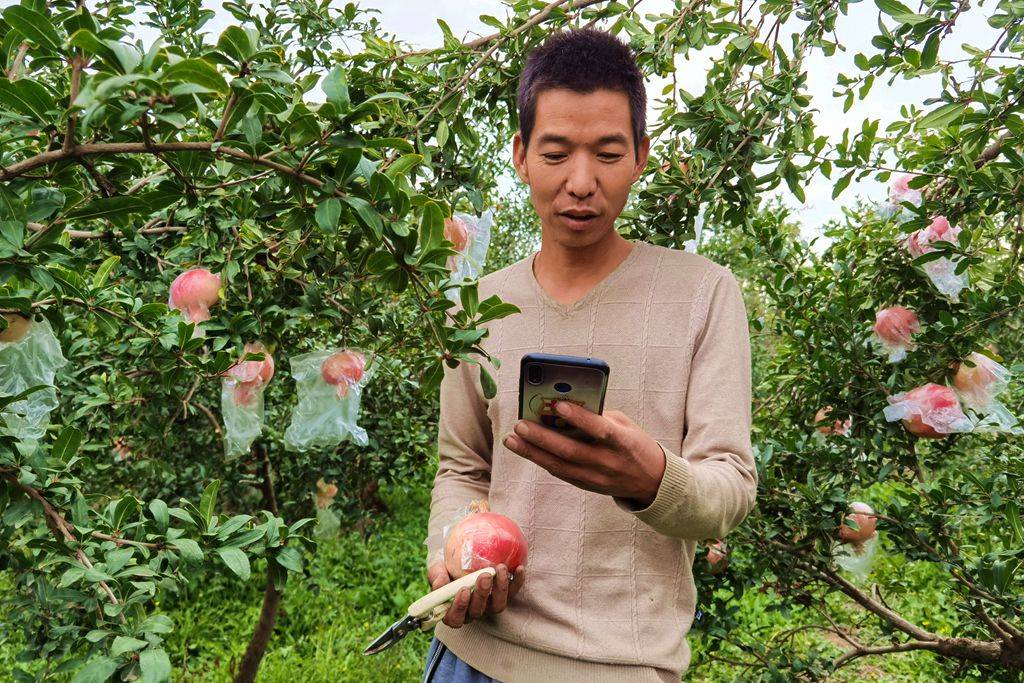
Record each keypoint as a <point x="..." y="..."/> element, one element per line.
<point x="567" y="274"/>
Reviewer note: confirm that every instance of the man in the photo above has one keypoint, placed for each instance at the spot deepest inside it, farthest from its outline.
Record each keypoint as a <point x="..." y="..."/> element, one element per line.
<point x="611" y="526"/>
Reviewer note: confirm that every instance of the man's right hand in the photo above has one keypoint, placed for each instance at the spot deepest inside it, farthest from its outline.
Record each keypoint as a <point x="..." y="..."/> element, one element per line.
<point x="490" y="596"/>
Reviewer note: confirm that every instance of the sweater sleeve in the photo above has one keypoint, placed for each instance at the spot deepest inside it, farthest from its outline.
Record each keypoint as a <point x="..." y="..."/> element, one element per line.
<point x="708" y="488"/>
<point x="464" y="447"/>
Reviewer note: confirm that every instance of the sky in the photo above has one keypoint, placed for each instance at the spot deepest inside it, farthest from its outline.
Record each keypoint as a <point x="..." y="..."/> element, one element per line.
<point x="416" y="23"/>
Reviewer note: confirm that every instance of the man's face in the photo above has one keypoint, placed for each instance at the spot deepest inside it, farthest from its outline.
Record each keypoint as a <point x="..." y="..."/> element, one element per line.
<point x="580" y="163"/>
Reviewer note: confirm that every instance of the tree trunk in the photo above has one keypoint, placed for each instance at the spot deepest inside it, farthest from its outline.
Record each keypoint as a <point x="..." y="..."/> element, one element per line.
<point x="250" y="664"/>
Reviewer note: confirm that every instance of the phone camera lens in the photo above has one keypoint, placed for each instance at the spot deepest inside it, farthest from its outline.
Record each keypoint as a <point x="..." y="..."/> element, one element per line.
<point x="563" y="387"/>
<point x="534" y="374"/>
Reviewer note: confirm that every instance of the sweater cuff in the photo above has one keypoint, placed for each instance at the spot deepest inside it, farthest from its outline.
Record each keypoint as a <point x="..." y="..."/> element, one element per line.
<point x="675" y="486"/>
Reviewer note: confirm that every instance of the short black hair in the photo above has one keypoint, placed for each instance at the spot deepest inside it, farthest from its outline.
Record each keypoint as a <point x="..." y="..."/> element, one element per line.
<point x="582" y="60"/>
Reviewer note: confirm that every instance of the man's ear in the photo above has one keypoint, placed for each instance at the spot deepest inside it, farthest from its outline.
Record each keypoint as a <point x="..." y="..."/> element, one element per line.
<point x="641" y="158"/>
<point x="519" y="158"/>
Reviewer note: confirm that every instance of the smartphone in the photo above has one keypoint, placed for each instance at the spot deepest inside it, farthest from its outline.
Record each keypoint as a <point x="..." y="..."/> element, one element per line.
<point x="546" y="377"/>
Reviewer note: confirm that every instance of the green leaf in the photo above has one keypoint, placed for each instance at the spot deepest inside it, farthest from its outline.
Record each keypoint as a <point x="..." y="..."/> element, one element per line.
<point x="236" y="561"/>
<point x="27" y="97"/>
<point x="189" y="549"/>
<point x="45" y="200"/>
<point x="367" y="213"/>
<point x="196" y="71"/>
<point x="931" y="51"/>
<point x="941" y="116"/>
<point x="158" y="509"/>
<point x="842" y="184"/>
<point x="336" y="88"/>
<point x="328" y="213"/>
<point x="108" y="265"/>
<point x="107" y="207"/>
<point x="236" y="42"/>
<point x="155" y="665"/>
<point x="490" y="389"/>
<point x="208" y="501"/>
<point x="66" y="444"/>
<point x="123" y="644"/>
<point x="91" y="45"/>
<point x="290" y="559"/>
<point x="96" y="670"/>
<point x="34" y="26"/>
<point x="469" y="298"/>
<point x="403" y="164"/>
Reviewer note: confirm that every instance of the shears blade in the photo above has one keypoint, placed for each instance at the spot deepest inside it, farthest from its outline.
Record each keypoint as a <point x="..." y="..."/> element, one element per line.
<point x="398" y="630"/>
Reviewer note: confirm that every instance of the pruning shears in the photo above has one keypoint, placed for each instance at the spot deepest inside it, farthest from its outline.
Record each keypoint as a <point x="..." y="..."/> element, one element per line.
<point x="426" y="612"/>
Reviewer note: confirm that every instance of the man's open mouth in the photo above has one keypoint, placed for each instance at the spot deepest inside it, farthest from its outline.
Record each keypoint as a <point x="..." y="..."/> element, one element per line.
<point x="579" y="217"/>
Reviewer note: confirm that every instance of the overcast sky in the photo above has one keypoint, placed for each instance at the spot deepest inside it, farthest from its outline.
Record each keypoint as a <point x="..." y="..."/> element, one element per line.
<point x="415" y="23"/>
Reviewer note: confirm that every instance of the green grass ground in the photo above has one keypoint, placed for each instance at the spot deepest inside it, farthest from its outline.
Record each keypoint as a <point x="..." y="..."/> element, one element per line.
<point x="357" y="588"/>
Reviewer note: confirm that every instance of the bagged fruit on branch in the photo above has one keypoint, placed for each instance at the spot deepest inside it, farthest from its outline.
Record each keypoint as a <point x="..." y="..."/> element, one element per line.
<point x="241" y="400"/>
<point x="901" y="193"/>
<point x="978" y="381"/>
<point x="481" y="538"/>
<point x="327" y="521"/>
<point x="30" y="355"/>
<point x="192" y="294"/>
<point x="837" y="427"/>
<point x="718" y="557"/>
<point x="329" y="385"/>
<point x="930" y="411"/>
<point x="894" y="327"/>
<point x="941" y="271"/>
<point x="470" y="237"/>
<point x="860" y="540"/>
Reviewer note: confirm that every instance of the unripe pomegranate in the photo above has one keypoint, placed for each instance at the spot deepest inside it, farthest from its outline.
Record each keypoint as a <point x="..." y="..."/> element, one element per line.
<point x="838" y="427"/>
<point x="456" y="232"/>
<point x="343" y="369"/>
<point x="863" y="517"/>
<point x="718" y="557"/>
<point x="251" y="375"/>
<point x="325" y="493"/>
<point x="17" y="327"/>
<point x="931" y="411"/>
<point x="483" y="539"/>
<point x="193" y="293"/>
<point x="978" y="385"/>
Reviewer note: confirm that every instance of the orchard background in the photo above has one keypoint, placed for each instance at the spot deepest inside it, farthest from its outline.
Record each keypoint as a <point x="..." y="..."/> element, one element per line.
<point x="310" y="159"/>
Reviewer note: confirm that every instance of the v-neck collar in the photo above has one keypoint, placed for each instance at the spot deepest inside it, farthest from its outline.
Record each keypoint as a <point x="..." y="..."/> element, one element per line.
<point x="593" y="292"/>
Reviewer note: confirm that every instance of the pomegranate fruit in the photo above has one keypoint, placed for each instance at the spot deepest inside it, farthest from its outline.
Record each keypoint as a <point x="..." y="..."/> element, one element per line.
<point x="17" y="327"/>
<point x="193" y="293"/>
<point x="343" y="369"/>
<point x="931" y="411"/>
<point x="838" y="427"/>
<point x="718" y="557"/>
<point x="325" y="493"/>
<point x="978" y="385"/>
<point x="920" y="242"/>
<point x="483" y="539"/>
<point x="900" y="191"/>
<point x="251" y="375"/>
<point x="863" y="517"/>
<point x="895" y="325"/>
<point x="456" y="232"/>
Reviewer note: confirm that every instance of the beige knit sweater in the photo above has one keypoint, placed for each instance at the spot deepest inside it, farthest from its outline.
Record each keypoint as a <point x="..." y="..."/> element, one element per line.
<point x="610" y="593"/>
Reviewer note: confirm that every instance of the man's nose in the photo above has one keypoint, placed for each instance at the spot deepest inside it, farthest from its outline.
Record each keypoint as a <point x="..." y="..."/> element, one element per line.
<point x="581" y="181"/>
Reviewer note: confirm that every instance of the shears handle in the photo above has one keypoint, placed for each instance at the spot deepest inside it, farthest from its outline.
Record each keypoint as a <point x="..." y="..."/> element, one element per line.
<point x="432" y="607"/>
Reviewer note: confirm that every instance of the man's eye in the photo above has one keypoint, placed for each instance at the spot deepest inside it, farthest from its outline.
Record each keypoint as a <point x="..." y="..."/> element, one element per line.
<point x="553" y="156"/>
<point x="610" y="157"/>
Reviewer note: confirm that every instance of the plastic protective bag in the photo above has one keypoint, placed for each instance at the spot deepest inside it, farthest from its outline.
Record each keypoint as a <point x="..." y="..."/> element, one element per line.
<point x="30" y="361"/>
<point x="900" y="193"/>
<point x="329" y="384"/>
<point x="941" y="271"/>
<point x="858" y="558"/>
<point x="698" y="227"/>
<point x="978" y="386"/>
<point x="241" y="400"/>
<point x="931" y="407"/>
<point x="468" y="264"/>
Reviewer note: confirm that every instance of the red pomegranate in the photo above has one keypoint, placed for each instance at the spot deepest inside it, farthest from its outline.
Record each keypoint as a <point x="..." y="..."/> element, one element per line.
<point x="863" y="516"/>
<point x="936" y="402"/>
<point x="251" y="375"/>
<point x="456" y="232"/>
<point x="343" y="369"/>
<point x="193" y="293"/>
<point x="483" y="539"/>
<point x="718" y="557"/>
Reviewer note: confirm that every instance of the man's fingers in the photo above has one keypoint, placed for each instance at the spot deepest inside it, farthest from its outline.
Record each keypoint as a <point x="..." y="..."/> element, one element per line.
<point x="456" y="614"/>
<point x="499" y="594"/>
<point x="478" y="601"/>
<point x="519" y="578"/>
<point x="597" y="426"/>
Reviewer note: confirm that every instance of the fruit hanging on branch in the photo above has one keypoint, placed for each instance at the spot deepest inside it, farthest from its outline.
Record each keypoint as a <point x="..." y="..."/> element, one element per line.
<point x="193" y="293"/>
<point x="894" y="327"/>
<point x="930" y="411"/>
<point x="241" y="399"/>
<point x="17" y="327"/>
<point x="343" y="370"/>
<point x="329" y="385"/>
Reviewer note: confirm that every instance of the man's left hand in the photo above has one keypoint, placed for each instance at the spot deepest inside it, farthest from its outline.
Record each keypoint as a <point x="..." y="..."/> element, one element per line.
<point x="624" y="461"/>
